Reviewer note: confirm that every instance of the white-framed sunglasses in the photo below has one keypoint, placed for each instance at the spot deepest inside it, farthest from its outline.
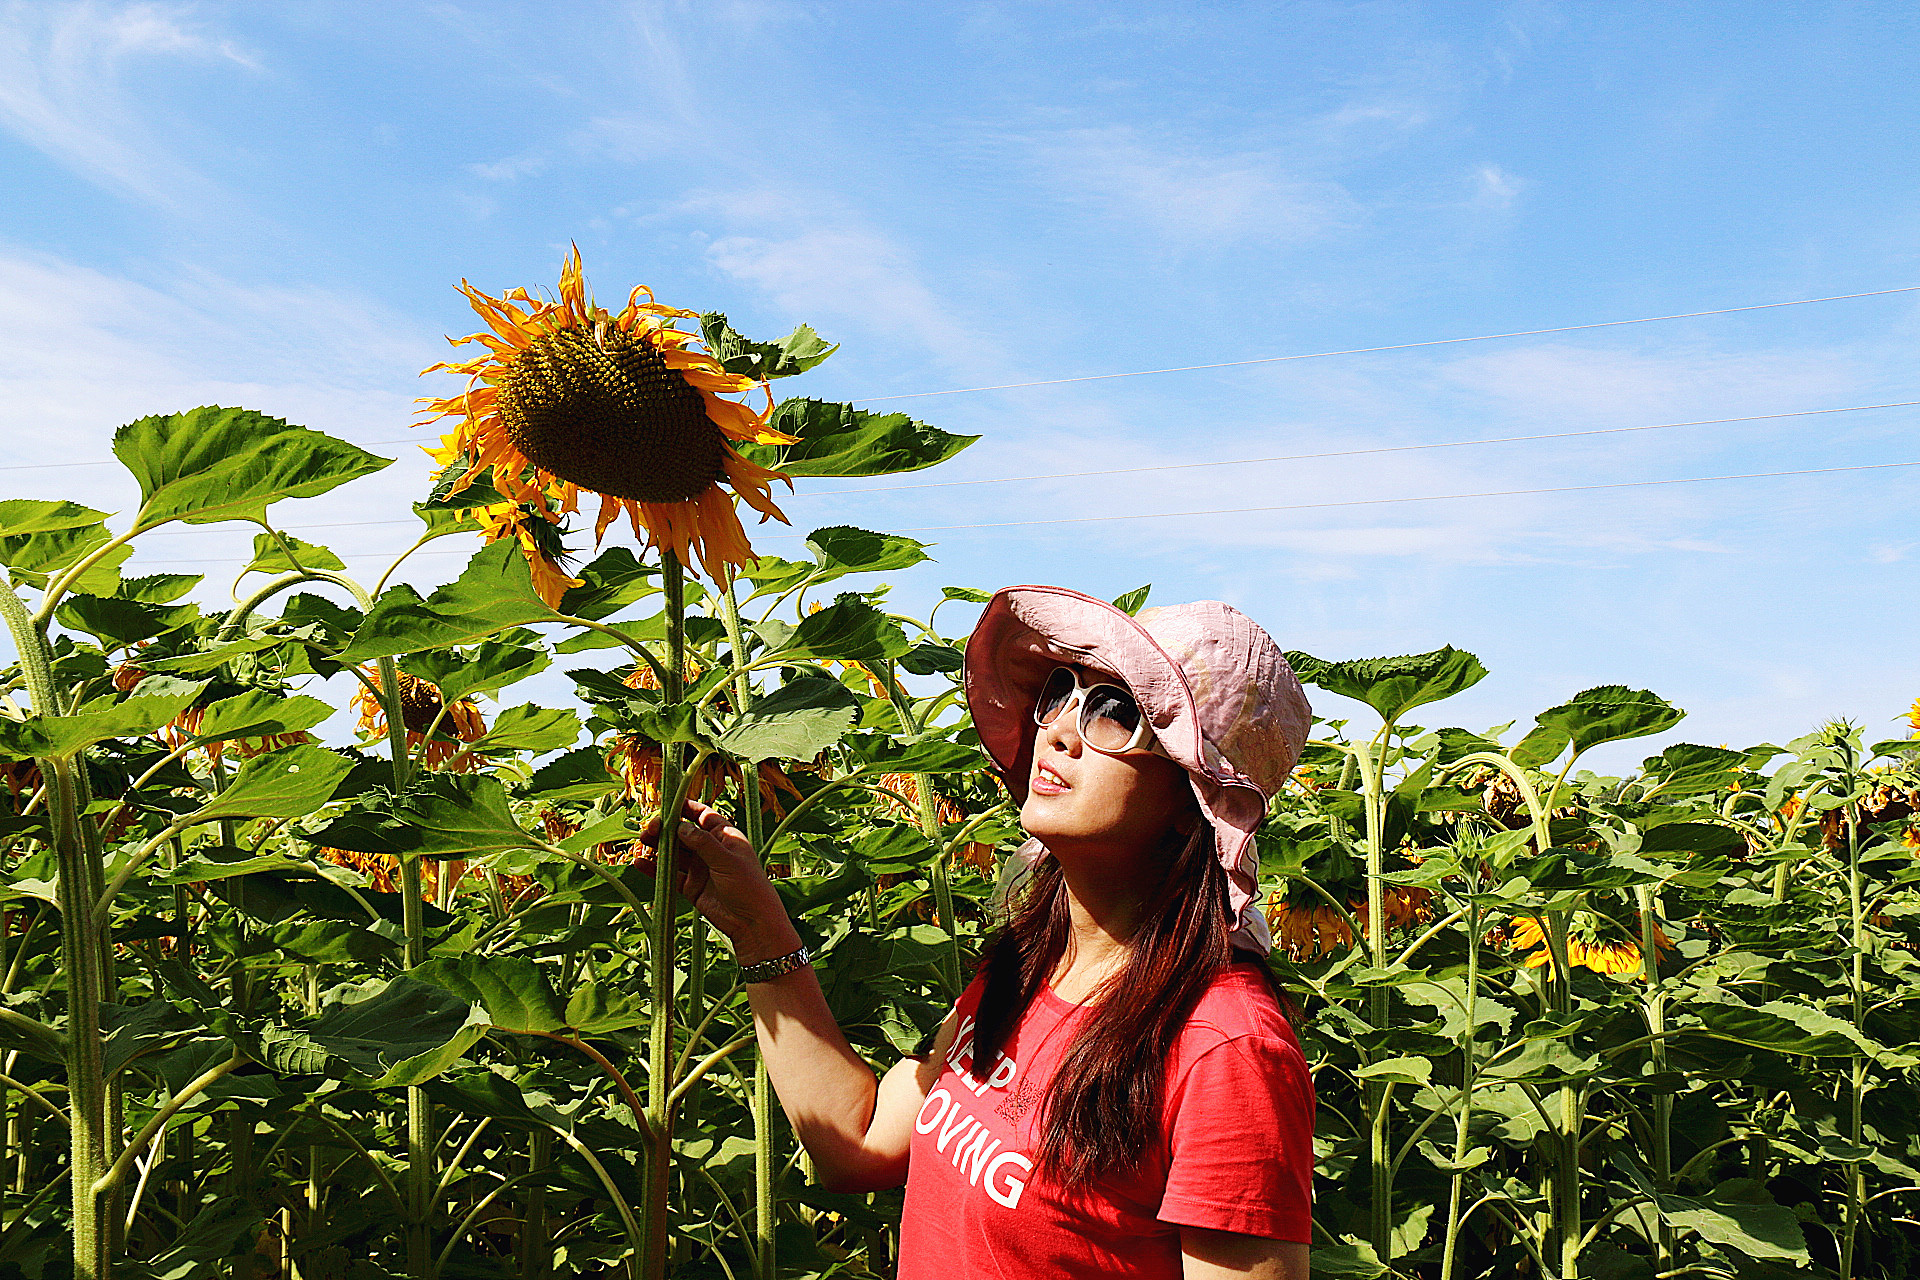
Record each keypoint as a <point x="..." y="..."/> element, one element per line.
<point x="1110" y="721"/>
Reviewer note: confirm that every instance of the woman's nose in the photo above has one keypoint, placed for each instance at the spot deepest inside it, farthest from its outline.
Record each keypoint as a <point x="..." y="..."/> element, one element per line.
<point x="1063" y="730"/>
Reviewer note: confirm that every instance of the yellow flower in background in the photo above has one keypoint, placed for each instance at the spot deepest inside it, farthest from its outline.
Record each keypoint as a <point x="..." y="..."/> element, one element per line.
<point x="571" y="398"/>
<point x="1913" y="719"/>
<point x="1594" y="942"/>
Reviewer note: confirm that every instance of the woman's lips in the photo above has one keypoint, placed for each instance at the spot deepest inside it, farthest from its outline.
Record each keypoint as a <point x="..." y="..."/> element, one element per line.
<point x="1049" y="783"/>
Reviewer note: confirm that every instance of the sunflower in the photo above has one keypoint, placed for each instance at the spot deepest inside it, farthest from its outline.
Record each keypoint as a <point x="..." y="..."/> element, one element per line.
<point x="571" y="398"/>
<point x="185" y="727"/>
<point x="1307" y="926"/>
<point x="636" y="758"/>
<point x="382" y="871"/>
<point x="1594" y="942"/>
<point x="976" y="854"/>
<point x="1913" y="719"/>
<point x="420" y="707"/>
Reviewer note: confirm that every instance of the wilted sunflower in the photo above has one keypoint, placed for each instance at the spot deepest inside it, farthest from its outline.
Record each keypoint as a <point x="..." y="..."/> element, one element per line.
<point x="572" y="398"/>
<point x="420" y="704"/>
<point x="1306" y="926"/>
<point x="975" y="853"/>
<point x="185" y="727"/>
<point x="382" y="870"/>
<point x="1594" y="942"/>
<point x="637" y="759"/>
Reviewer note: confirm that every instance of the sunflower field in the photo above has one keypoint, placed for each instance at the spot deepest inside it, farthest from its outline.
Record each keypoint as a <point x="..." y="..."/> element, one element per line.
<point x="422" y="1005"/>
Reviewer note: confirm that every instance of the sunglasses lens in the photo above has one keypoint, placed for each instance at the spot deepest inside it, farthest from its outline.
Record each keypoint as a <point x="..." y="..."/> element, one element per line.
<point x="1054" y="695"/>
<point x="1110" y="718"/>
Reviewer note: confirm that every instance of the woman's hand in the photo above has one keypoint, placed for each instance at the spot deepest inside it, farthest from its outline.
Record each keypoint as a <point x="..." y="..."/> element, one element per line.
<point x="719" y="872"/>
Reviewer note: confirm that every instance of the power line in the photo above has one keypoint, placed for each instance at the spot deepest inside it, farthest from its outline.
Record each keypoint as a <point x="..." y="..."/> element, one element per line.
<point x="1401" y="346"/>
<point x="1355" y="453"/>
<point x="1234" y="511"/>
<point x="1381" y="502"/>
<point x="1234" y="364"/>
<point x="1231" y="462"/>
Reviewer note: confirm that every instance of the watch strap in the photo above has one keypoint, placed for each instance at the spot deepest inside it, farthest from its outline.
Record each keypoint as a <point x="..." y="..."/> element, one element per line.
<point x="779" y="966"/>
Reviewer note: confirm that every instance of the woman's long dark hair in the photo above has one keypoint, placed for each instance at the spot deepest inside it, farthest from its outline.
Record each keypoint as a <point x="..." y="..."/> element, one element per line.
<point x="1103" y="1106"/>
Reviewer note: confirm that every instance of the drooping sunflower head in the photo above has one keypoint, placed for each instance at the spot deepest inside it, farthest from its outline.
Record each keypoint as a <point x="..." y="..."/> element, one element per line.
<point x="1594" y="941"/>
<point x="572" y="398"/>
<point x="421" y="706"/>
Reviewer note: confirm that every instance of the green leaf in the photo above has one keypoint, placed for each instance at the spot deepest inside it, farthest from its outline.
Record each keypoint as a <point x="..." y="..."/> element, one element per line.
<point x="797" y="721"/>
<point x="1608" y="713"/>
<point x="208" y="864"/>
<point x="615" y="579"/>
<point x="1397" y="1070"/>
<point x="1691" y="837"/>
<point x="1393" y="686"/>
<point x="848" y="630"/>
<point x="493" y="593"/>
<point x="1347" y="1262"/>
<point x="115" y="622"/>
<point x="383" y="1034"/>
<point x="971" y="595"/>
<point x="928" y="659"/>
<point x="879" y="753"/>
<point x="156" y="701"/>
<point x="513" y="990"/>
<point x="270" y="555"/>
<point x="1688" y="769"/>
<point x="451" y="814"/>
<point x="1740" y="1215"/>
<point x="158" y="588"/>
<point x="260" y="712"/>
<point x="22" y="516"/>
<point x="219" y="655"/>
<point x="35" y="557"/>
<point x="211" y="464"/>
<point x="840" y="440"/>
<point x="796" y="353"/>
<point x="1783" y="1028"/>
<point x="530" y="728"/>
<point x="487" y="668"/>
<point x="580" y="774"/>
<point x="289" y="783"/>
<point x="843" y="549"/>
<point x="1133" y="601"/>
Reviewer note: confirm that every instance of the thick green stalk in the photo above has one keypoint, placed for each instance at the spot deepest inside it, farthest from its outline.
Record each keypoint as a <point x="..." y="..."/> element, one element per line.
<point x="766" y="1207"/>
<point x="1378" y="1095"/>
<point x="81" y="955"/>
<point x="1463" y="1118"/>
<point x="1856" y="1172"/>
<point x="536" y="1248"/>
<point x="663" y="951"/>
<point x="1656" y="1016"/>
<point x="929" y="814"/>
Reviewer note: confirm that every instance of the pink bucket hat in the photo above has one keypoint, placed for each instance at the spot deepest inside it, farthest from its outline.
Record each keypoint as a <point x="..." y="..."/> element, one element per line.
<point x="1215" y="688"/>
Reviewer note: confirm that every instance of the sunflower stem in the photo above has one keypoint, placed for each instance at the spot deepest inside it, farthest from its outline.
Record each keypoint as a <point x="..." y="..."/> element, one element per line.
<point x="766" y="1205"/>
<point x="81" y="952"/>
<point x="663" y="951"/>
<point x="929" y="812"/>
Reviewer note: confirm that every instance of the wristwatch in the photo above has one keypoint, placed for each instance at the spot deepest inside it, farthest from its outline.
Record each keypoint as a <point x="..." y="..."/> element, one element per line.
<point x="768" y="970"/>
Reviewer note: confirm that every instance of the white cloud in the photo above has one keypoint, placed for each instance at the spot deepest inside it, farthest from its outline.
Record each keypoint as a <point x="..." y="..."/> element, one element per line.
<point x="510" y="169"/>
<point x="1492" y="187"/>
<point x="1189" y="195"/>
<point x="62" y="67"/>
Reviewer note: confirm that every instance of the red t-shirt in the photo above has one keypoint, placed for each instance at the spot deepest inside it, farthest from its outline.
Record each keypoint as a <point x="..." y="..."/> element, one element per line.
<point x="1235" y="1150"/>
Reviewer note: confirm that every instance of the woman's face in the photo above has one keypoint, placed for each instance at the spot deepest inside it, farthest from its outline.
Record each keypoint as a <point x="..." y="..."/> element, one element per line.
<point x="1077" y="796"/>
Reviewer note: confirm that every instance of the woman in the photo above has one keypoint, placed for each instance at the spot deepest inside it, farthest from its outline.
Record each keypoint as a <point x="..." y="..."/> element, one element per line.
<point x="1117" y="1093"/>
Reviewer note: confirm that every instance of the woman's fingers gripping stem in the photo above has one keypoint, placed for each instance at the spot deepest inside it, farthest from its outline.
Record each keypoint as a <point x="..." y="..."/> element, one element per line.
<point x="720" y="873"/>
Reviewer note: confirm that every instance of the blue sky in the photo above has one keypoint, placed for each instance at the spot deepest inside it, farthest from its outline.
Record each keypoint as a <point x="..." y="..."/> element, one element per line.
<point x="269" y="205"/>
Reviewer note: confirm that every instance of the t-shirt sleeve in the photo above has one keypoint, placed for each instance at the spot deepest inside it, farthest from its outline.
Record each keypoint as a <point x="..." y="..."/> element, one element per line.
<point x="1240" y="1140"/>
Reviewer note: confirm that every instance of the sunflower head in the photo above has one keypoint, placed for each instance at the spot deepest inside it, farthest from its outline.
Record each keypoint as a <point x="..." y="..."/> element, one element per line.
<point x="420" y="707"/>
<point x="1594" y="941"/>
<point x="572" y="398"/>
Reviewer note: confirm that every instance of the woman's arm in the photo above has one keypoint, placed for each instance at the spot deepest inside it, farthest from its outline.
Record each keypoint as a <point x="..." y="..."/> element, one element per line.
<point x="856" y="1129"/>
<point x="1227" y="1255"/>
